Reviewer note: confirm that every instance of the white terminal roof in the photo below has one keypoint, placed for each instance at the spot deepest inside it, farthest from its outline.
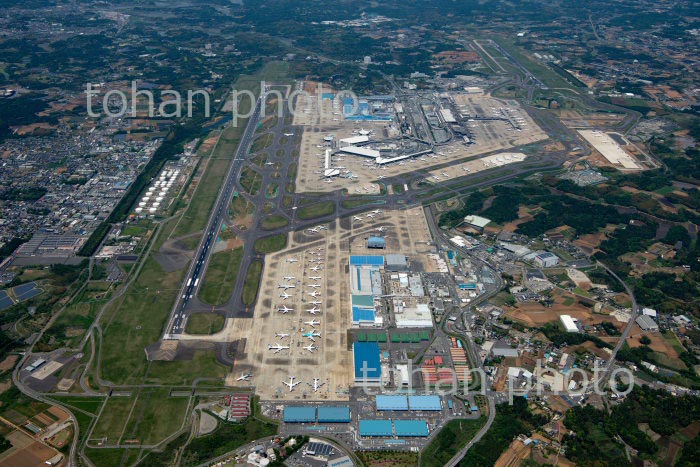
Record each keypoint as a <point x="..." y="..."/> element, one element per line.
<point x="354" y="140"/>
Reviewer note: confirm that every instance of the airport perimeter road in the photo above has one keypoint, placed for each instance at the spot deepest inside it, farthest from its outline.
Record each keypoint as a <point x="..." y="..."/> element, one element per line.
<point x="190" y="286"/>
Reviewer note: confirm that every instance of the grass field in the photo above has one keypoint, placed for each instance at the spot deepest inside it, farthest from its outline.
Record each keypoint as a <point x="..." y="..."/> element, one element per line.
<point x="251" y="181"/>
<point x="313" y="211"/>
<point x="252" y="282"/>
<point x="274" y="222"/>
<point x="155" y="416"/>
<point x="271" y="244"/>
<point x="113" y="419"/>
<point x="205" y="323"/>
<point x="220" y="276"/>
<point x="262" y="142"/>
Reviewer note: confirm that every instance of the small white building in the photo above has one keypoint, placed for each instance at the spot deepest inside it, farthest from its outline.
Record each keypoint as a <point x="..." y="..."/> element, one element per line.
<point x="569" y="323"/>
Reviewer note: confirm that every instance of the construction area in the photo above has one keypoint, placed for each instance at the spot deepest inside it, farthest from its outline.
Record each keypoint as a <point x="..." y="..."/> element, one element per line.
<point x="611" y="150"/>
<point x="342" y="148"/>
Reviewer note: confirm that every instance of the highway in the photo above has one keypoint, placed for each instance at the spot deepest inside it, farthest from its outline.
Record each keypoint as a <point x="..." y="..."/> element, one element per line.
<point x="192" y="282"/>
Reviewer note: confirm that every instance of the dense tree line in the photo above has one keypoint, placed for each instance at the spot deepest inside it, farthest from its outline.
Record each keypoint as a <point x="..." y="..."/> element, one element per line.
<point x="510" y="421"/>
<point x="596" y="430"/>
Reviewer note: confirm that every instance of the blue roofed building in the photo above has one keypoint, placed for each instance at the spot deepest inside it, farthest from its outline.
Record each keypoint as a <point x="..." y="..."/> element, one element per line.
<point x="376" y="428"/>
<point x="363" y="316"/>
<point x="338" y="414"/>
<point x="409" y="428"/>
<point x="367" y="260"/>
<point x="368" y="368"/>
<point x="299" y="414"/>
<point x="431" y="403"/>
<point x="376" y="242"/>
<point x="391" y="402"/>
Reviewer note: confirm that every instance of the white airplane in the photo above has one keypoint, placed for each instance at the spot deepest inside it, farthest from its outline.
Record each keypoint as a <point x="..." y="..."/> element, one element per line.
<point x="317" y="384"/>
<point x="269" y="163"/>
<point x="281" y="335"/>
<point x="313" y="323"/>
<point x="277" y="348"/>
<point x="285" y="286"/>
<point x="289" y="278"/>
<point x="377" y="211"/>
<point x="291" y="384"/>
<point x="315" y="286"/>
<point x="289" y="134"/>
<point x="285" y="295"/>
<point x="357" y="218"/>
<point x="311" y="348"/>
<point x="285" y="310"/>
<point x="316" y="268"/>
<point x="292" y="260"/>
<point x="314" y="310"/>
<point x="244" y="377"/>
<point x="315" y="278"/>
<point x="314" y="294"/>
<point x="371" y="216"/>
<point x="316" y="302"/>
<point x="381" y="229"/>
<point x="314" y="230"/>
<point x="311" y="335"/>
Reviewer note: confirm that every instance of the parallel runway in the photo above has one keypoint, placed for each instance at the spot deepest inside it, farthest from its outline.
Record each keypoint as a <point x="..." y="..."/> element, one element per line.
<point x="192" y="282"/>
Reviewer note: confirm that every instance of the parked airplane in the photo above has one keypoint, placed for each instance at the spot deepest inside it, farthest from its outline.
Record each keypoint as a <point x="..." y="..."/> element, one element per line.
<point x="291" y="384"/>
<point x="357" y="218"/>
<point x="277" y="348"/>
<point x="281" y="335"/>
<point x="289" y="134"/>
<point x="371" y="216"/>
<point x="377" y="211"/>
<point x="311" y="348"/>
<point x="284" y="295"/>
<point x="313" y="323"/>
<point x="316" y="302"/>
<point x="292" y="260"/>
<point x="314" y="310"/>
<point x="317" y="385"/>
<point x="285" y="310"/>
<point x="269" y="163"/>
<point x="311" y="335"/>
<point x="315" y="278"/>
<point x="313" y="230"/>
<point x="316" y="268"/>
<point x="315" y="294"/>
<point x="244" y="377"/>
<point x="314" y="286"/>
<point x="285" y="286"/>
<point x="289" y="278"/>
<point x="381" y="229"/>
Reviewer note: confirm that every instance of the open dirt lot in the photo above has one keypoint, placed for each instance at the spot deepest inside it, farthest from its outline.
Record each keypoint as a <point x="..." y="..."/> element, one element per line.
<point x="323" y="117"/>
<point x="515" y="453"/>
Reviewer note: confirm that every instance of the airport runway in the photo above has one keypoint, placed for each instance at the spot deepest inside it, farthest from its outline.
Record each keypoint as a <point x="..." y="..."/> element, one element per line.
<point x="192" y="282"/>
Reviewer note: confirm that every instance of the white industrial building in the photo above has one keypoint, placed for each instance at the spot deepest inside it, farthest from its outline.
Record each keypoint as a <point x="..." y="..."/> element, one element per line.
<point x="646" y="323"/>
<point x="418" y="316"/>
<point x="546" y="260"/>
<point x="569" y="323"/>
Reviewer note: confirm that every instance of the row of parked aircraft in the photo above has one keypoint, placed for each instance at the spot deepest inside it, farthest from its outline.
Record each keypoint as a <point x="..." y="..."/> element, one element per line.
<point x="292" y="383"/>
